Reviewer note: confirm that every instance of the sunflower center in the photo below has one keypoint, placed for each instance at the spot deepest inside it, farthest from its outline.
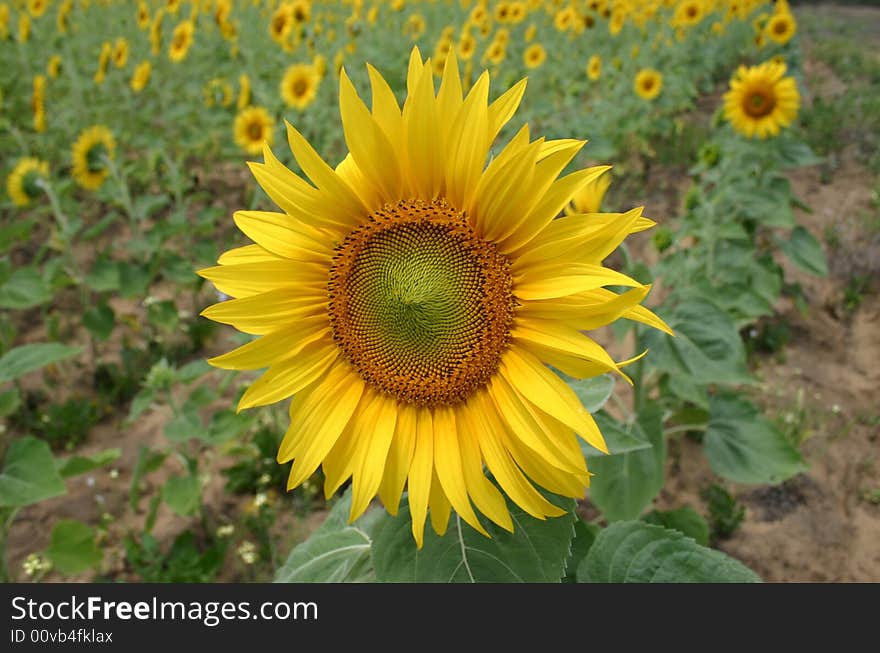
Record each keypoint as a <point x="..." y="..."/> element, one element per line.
<point x="96" y="157"/>
<point x="299" y="87"/>
<point x="255" y="131"/>
<point x="781" y="27"/>
<point x="759" y="103"/>
<point x="421" y="306"/>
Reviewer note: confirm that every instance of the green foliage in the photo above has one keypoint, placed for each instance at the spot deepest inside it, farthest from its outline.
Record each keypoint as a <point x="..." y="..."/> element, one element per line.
<point x="725" y="513"/>
<point x="29" y="474"/>
<point x="72" y="548"/>
<point x="686" y="521"/>
<point x="187" y="561"/>
<point x="27" y="358"/>
<point x="635" y="552"/>
<point x="536" y="551"/>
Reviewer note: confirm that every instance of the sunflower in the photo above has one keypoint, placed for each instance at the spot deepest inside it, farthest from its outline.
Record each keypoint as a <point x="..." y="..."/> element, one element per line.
<point x="53" y="66"/>
<point x="281" y="24"/>
<point x="761" y="100"/>
<point x="688" y="13"/>
<point x="103" y="60"/>
<point x="564" y="19"/>
<point x="181" y="41"/>
<point x="22" y="184"/>
<point x="534" y="56"/>
<point x="299" y="86"/>
<point x="301" y="11"/>
<point x="91" y="152"/>
<point x="518" y="12"/>
<point x="648" y="83"/>
<point x="466" y="47"/>
<point x="244" y="92"/>
<point x="62" y="18"/>
<point x="38" y="106"/>
<point x="411" y="299"/>
<point x="141" y="76"/>
<point x="217" y="92"/>
<point x="594" y="67"/>
<point x="530" y="33"/>
<point x="495" y="53"/>
<point x="120" y="52"/>
<point x="37" y="7"/>
<point x="24" y="28"/>
<point x="143" y="15"/>
<point x="253" y="128"/>
<point x="781" y="27"/>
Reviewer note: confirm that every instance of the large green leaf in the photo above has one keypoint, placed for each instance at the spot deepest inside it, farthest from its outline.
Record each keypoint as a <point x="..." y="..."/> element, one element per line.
<point x="536" y="551"/>
<point x="183" y="494"/>
<point x="636" y="552"/>
<point x="72" y="547"/>
<point x="336" y="552"/>
<point x="707" y="345"/>
<point x="742" y="446"/>
<point x="593" y="392"/>
<point x="24" y="289"/>
<point x="618" y="438"/>
<point x="29" y="474"/>
<point x="805" y="251"/>
<point x="624" y="485"/>
<point x="27" y="358"/>
<point x="686" y="521"/>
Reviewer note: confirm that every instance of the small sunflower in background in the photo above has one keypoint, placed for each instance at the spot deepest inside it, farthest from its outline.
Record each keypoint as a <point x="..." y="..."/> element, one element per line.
<point x="648" y="83"/>
<point x="141" y="76"/>
<point x="495" y="53"/>
<point x="689" y="13"/>
<point x="37" y="7"/>
<point x="91" y="153"/>
<point x="143" y="15"/>
<point x="781" y="27"/>
<point x="244" y="92"/>
<point x="53" y="66"/>
<point x="253" y="128"/>
<point x="301" y="10"/>
<point x="281" y="24"/>
<point x="103" y="61"/>
<point x="62" y="18"/>
<point x="22" y="184"/>
<point x="589" y="198"/>
<point x="24" y="28"/>
<point x="217" y="92"/>
<point x="534" y="56"/>
<point x="594" y="67"/>
<point x="181" y="41"/>
<point x="530" y="33"/>
<point x="412" y="299"/>
<point x="299" y="86"/>
<point x="120" y="52"/>
<point x="761" y="100"/>
<point x="467" y="45"/>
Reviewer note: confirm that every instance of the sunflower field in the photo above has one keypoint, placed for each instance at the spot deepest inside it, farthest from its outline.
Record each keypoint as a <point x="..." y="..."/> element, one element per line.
<point x="439" y="291"/>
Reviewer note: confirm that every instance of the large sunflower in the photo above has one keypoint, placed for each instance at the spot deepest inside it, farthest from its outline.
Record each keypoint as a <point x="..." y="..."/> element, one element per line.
<point x="91" y="152"/>
<point x="411" y="299"/>
<point x="21" y="184"/>
<point x="761" y="100"/>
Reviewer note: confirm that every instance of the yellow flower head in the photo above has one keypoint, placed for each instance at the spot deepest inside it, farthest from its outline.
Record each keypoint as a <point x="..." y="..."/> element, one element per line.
<point x="534" y="56"/>
<point x="53" y="66"/>
<point x="37" y="7"/>
<point x="120" y="53"/>
<point x="141" y="76"/>
<point x="91" y="152"/>
<point x="22" y="184"/>
<point x="411" y="299"/>
<point x="217" y="92"/>
<point x="281" y="24"/>
<point x="781" y="27"/>
<point x="253" y="128"/>
<point x="689" y="13"/>
<point x="244" y="92"/>
<point x="594" y="67"/>
<point x="761" y="100"/>
<point x="299" y="86"/>
<point x="143" y="15"/>
<point x="589" y="198"/>
<point x="181" y="41"/>
<point x="648" y="83"/>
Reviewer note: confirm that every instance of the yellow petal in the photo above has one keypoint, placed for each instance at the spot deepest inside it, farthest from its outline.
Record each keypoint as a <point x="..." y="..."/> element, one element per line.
<point x="290" y="375"/>
<point x="555" y="280"/>
<point x="502" y="109"/>
<point x="379" y="418"/>
<point x="399" y="459"/>
<point x="274" y="347"/>
<point x="246" y="254"/>
<point x="420" y="473"/>
<point x="440" y="507"/>
<point x="283" y="235"/>
<point x="265" y="312"/>
<point x="483" y="493"/>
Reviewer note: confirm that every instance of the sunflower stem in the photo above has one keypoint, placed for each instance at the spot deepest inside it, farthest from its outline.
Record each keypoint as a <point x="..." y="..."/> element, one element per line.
<point x="60" y="218"/>
<point x="124" y="193"/>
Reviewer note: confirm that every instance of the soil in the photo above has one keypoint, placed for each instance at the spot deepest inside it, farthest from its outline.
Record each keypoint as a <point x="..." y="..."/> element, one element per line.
<point x="823" y="525"/>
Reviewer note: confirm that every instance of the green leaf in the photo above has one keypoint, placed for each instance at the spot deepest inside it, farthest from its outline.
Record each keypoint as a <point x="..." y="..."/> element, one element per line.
<point x="104" y="276"/>
<point x="99" y="320"/>
<point x="593" y="392"/>
<point x="624" y="485"/>
<point x="141" y="402"/>
<point x="10" y="400"/>
<point x="686" y="521"/>
<point x="336" y="552"/>
<point x="163" y="315"/>
<point x="584" y="536"/>
<point x="805" y="251"/>
<point x="744" y="447"/>
<point x="29" y="474"/>
<point x="76" y="465"/>
<point x="147" y="461"/>
<point x="134" y="280"/>
<point x="535" y="552"/>
<point x="707" y="345"/>
<point x="72" y="547"/>
<point x="24" y="289"/>
<point x="227" y="425"/>
<point x="186" y="425"/>
<point x="27" y="358"/>
<point x="617" y="438"/>
<point x="635" y="552"/>
<point x="183" y="494"/>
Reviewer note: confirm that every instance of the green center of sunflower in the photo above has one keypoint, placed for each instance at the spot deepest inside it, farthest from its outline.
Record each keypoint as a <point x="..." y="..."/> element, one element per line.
<point x="421" y="307"/>
<point x="759" y="103"/>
